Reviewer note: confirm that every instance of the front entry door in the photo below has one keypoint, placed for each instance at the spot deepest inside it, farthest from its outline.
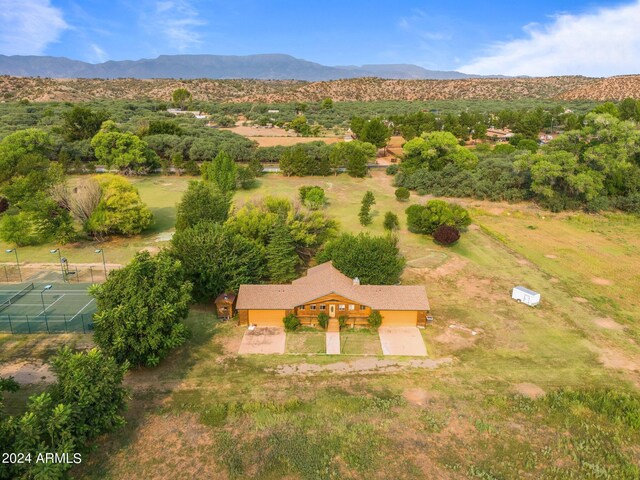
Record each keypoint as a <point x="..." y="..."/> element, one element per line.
<point x="332" y="310"/>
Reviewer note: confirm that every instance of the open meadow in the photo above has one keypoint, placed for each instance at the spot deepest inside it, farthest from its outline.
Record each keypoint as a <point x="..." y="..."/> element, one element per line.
<point x="477" y="411"/>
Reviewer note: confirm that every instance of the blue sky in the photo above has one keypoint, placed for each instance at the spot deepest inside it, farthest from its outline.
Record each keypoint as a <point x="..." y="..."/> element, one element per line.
<point x="535" y="38"/>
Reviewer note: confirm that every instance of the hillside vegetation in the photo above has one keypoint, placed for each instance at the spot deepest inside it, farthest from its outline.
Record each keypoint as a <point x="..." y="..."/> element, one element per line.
<point x="361" y="89"/>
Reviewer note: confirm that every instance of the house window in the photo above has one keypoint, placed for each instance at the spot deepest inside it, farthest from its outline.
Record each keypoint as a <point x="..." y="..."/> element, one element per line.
<point x="301" y="307"/>
<point x="341" y="308"/>
<point x="323" y="307"/>
<point x="312" y="307"/>
<point x="352" y="307"/>
<point x="362" y="307"/>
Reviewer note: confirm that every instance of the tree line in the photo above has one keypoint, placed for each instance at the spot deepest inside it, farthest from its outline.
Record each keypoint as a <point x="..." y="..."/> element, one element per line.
<point x="594" y="167"/>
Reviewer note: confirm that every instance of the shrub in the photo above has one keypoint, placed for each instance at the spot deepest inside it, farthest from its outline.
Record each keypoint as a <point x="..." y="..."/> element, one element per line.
<point x="392" y="169"/>
<point x="342" y="321"/>
<point x="391" y="222"/>
<point x="323" y="320"/>
<point x="426" y="218"/>
<point x="312" y="197"/>
<point x="402" y="194"/>
<point x="291" y="322"/>
<point x="446" y="235"/>
<point x="375" y="319"/>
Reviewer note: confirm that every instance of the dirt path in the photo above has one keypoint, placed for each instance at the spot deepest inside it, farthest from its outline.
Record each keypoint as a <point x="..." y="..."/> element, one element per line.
<point x="361" y="366"/>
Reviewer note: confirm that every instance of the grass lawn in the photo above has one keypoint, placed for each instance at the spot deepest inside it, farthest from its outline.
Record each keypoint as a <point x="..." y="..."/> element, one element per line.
<point x="360" y="342"/>
<point x="305" y="342"/>
<point x="205" y="412"/>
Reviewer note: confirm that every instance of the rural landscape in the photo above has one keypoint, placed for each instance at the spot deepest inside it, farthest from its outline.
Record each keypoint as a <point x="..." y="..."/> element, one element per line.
<point x="260" y="267"/>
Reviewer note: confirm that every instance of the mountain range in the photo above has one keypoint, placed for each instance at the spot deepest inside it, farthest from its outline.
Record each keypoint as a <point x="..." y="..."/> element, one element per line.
<point x="259" y="67"/>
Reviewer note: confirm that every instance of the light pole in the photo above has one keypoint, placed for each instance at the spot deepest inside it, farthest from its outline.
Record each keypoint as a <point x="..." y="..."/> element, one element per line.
<point x="15" y="252"/>
<point x="57" y="250"/>
<point x="104" y="263"/>
<point x="44" y="309"/>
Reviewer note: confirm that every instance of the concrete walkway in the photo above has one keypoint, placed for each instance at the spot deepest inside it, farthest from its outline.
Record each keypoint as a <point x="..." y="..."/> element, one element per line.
<point x="405" y="341"/>
<point x="333" y="343"/>
<point x="265" y="340"/>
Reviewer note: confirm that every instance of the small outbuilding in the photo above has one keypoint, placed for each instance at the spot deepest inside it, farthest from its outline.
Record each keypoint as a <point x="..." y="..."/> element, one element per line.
<point x="524" y="295"/>
<point x="225" y="306"/>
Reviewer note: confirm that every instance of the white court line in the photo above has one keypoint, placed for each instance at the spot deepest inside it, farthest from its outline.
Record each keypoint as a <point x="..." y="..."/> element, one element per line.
<point x="80" y="311"/>
<point x="50" y="305"/>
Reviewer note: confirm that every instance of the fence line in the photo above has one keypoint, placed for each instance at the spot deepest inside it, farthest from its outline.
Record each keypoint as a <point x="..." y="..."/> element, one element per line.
<point x="78" y="273"/>
<point x="16" y="324"/>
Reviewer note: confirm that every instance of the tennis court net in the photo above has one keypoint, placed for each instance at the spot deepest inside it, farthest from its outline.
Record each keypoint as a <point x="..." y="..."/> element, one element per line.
<point x="13" y="299"/>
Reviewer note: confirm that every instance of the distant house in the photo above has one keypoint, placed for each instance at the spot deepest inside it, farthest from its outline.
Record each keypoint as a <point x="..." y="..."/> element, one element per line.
<point x="326" y="290"/>
<point x="498" y="135"/>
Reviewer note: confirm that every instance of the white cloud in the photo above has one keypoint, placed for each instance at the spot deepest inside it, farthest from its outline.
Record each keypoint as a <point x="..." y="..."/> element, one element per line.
<point x="29" y="26"/>
<point x="98" y="54"/>
<point x="178" y="22"/>
<point x="603" y="42"/>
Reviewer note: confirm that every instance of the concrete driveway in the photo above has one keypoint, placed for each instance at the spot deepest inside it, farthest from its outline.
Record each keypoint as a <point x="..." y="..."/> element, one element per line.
<point x="263" y="340"/>
<point x="402" y="341"/>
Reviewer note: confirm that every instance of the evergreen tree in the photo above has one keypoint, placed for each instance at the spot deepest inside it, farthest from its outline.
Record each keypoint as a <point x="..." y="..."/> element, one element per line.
<point x="365" y="209"/>
<point x="391" y="222"/>
<point x="282" y="258"/>
<point x="202" y="202"/>
<point x="222" y="172"/>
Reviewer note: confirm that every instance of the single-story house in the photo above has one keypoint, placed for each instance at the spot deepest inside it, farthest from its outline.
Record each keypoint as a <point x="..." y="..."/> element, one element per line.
<point x="498" y="135"/>
<point x="326" y="289"/>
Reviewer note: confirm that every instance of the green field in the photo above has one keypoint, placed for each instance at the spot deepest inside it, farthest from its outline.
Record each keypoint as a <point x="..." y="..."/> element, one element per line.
<point x="206" y="412"/>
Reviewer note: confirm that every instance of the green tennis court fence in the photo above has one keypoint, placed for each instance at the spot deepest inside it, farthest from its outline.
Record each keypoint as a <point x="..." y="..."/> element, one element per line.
<point x="78" y="323"/>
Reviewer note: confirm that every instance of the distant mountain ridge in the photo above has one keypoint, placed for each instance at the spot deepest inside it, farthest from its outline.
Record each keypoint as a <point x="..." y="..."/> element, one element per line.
<point x="258" y="67"/>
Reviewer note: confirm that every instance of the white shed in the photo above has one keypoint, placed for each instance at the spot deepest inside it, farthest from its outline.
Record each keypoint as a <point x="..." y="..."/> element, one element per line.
<point x="524" y="295"/>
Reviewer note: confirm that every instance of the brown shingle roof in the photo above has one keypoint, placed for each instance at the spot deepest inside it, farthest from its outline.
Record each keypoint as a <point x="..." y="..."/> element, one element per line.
<point x="326" y="279"/>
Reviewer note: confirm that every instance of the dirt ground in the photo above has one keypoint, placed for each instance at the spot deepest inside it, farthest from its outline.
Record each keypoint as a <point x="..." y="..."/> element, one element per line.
<point x="28" y="372"/>
<point x="530" y="390"/>
<point x="171" y="435"/>
<point x="269" y="137"/>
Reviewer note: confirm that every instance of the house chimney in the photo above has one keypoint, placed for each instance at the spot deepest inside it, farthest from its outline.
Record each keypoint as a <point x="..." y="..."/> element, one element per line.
<point x="356" y="281"/>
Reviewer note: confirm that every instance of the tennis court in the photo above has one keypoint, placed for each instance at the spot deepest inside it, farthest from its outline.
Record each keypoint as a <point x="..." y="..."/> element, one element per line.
<point x="46" y="308"/>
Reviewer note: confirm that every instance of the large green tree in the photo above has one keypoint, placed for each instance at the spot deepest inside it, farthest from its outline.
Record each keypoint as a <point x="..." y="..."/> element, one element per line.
<point x="81" y="123"/>
<point x="434" y="150"/>
<point x="181" y="97"/>
<point x="27" y="176"/>
<point x="120" y="210"/>
<point x="374" y="260"/>
<point x="123" y="150"/>
<point x="202" y="202"/>
<point x="353" y="156"/>
<point x="282" y="258"/>
<point x="140" y="309"/>
<point x="216" y="259"/>
<point x="375" y="132"/>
